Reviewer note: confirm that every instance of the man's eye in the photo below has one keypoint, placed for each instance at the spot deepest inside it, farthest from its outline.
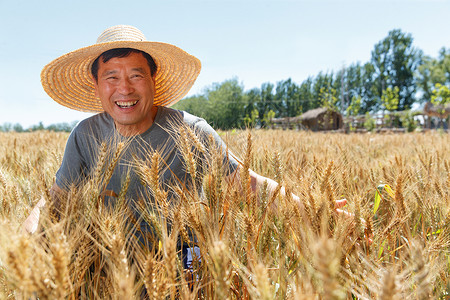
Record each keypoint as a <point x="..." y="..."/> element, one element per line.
<point x="111" y="78"/>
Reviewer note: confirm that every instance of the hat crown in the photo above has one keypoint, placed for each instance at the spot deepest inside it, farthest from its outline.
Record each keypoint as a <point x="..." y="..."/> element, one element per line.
<point x="121" y="33"/>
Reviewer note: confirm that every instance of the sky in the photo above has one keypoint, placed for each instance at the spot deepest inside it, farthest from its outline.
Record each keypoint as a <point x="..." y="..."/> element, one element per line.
<point x="255" y="41"/>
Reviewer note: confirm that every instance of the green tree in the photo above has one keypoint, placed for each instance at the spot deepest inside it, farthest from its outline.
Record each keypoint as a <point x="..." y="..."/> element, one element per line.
<point x="328" y="98"/>
<point x="18" y="127"/>
<point x="40" y="126"/>
<point x="433" y="71"/>
<point x="395" y="61"/>
<point x="441" y="97"/>
<point x="369" y="122"/>
<point x="358" y="84"/>
<point x="252" y="97"/>
<point x="322" y="84"/>
<point x="7" y="127"/>
<point x="355" y="106"/>
<point x="251" y="120"/>
<point x="306" y="96"/>
<point x="390" y="100"/>
<point x="267" y="118"/>
<point x="287" y="98"/>
<point x="266" y="101"/>
<point x="408" y="122"/>
<point x="196" y="105"/>
<point x="226" y="103"/>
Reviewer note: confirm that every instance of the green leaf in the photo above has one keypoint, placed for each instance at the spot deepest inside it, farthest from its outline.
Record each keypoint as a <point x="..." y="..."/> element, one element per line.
<point x="389" y="190"/>
<point x="380" y="252"/>
<point x="377" y="201"/>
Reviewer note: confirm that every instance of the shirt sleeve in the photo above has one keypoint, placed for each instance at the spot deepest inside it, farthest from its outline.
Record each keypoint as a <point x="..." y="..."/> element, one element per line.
<point x="73" y="164"/>
<point x="229" y="159"/>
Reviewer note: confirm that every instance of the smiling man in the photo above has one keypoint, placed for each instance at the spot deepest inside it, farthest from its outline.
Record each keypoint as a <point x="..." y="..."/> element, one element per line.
<point x="130" y="83"/>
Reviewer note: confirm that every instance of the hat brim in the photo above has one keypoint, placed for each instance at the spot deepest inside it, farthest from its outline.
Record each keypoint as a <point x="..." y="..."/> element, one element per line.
<point x="68" y="81"/>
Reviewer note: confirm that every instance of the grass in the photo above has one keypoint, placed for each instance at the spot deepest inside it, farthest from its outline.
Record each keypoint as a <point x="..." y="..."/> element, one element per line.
<point x="252" y="246"/>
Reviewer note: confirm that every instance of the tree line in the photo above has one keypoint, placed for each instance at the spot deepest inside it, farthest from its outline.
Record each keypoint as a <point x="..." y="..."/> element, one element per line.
<point x="397" y="76"/>
<point x="59" y="127"/>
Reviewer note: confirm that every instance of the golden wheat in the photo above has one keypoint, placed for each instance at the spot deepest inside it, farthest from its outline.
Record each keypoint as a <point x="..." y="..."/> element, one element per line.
<point x="250" y="248"/>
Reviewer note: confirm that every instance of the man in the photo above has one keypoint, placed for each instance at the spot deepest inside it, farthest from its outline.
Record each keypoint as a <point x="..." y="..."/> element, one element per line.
<point x="130" y="82"/>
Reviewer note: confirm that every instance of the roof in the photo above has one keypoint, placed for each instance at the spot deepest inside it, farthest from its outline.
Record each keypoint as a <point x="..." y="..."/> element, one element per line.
<point x="309" y="115"/>
<point x="313" y="113"/>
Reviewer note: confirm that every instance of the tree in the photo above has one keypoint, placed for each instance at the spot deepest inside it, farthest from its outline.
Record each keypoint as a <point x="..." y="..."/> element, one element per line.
<point x="433" y="71"/>
<point x="17" y="127"/>
<point x="390" y="100"/>
<point x="252" y="98"/>
<point x="250" y="120"/>
<point x="395" y="61"/>
<point x="306" y="96"/>
<point x="441" y="97"/>
<point x="322" y="83"/>
<point x="328" y="98"/>
<point x="267" y="118"/>
<point x="358" y="84"/>
<point x="196" y="105"/>
<point x="355" y="106"/>
<point x="287" y="98"/>
<point x="226" y="104"/>
<point x="266" y="101"/>
<point x="7" y="127"/>
<point x="38" y="127"/>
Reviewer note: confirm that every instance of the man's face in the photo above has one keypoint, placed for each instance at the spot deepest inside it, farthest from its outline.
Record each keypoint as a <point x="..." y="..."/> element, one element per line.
<point x="126" y="90"/>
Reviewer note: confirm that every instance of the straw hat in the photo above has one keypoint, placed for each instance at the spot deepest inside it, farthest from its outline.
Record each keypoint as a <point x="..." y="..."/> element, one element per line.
<point x="68" y="81"/>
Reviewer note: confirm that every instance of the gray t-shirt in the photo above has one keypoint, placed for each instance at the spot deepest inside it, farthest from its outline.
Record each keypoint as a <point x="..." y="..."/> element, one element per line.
<point x="81" y="153"/>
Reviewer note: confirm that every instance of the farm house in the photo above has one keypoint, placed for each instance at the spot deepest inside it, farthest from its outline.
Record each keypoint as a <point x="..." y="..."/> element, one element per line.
<point x="317" y="119"/>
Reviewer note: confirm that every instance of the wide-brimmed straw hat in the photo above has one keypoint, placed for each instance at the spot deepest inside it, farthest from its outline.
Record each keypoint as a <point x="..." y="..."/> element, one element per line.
<point x="68" y="80"/>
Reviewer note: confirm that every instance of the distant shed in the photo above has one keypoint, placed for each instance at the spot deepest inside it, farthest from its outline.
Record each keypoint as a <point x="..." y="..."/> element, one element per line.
<point x="317" y="119"/>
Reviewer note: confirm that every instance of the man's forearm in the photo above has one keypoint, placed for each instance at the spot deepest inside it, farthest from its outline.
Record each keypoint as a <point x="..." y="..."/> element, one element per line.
<point x="257" y="181"/>
<point x="32" y="221"/>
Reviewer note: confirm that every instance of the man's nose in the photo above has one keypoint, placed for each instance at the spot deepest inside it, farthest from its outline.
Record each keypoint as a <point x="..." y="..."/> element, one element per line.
<point x="125" y="86"/>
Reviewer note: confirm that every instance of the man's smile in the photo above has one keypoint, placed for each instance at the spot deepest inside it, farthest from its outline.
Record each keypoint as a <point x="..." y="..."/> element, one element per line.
<point x="126" y="104"/>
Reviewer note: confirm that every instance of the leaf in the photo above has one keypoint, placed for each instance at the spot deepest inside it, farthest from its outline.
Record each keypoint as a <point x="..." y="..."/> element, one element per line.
<point x="377" y="201"/>
<point x="380" y="252"/>
<point x="388" y="189"/>
<point x="378" y="196"/>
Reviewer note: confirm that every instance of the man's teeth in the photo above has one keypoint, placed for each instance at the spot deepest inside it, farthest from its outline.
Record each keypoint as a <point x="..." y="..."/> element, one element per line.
<point x="124" y="104"/>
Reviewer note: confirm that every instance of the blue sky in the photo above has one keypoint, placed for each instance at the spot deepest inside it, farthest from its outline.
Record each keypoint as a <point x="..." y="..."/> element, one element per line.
<point x="256" y="41"/>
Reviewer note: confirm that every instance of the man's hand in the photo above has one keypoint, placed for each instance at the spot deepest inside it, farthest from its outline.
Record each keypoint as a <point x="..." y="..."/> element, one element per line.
<point x="31" y="223"/>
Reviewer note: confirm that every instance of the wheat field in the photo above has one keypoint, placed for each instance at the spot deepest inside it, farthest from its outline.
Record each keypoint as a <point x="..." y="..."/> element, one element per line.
<point x="393" y="245"/>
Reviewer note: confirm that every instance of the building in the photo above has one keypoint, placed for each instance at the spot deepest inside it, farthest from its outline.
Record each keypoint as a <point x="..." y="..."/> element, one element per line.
<point x="317" y="119"/>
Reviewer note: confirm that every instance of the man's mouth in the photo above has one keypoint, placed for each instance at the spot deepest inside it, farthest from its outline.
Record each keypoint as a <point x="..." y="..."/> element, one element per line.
<point x="126" y="104"/>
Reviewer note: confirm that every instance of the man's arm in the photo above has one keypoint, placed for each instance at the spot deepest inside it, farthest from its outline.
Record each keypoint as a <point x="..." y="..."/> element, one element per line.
<point x="32" y="222"/>
<point x="257" y="181"/>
